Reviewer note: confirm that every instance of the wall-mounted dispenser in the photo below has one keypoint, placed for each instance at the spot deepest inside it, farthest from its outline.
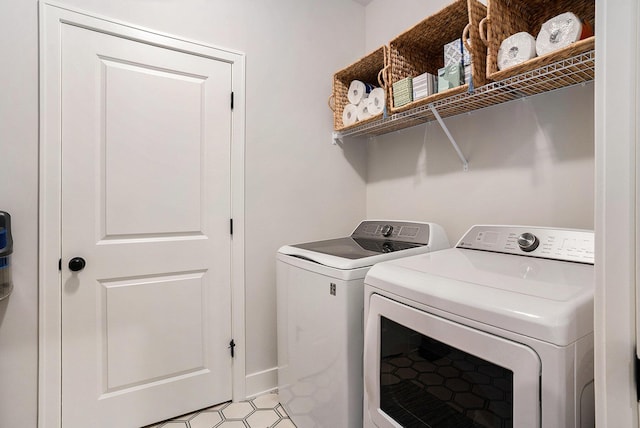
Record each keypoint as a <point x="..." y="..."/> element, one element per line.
<point x="6" y="248"/>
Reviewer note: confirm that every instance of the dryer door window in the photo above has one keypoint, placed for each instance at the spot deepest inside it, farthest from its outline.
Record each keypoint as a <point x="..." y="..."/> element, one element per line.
<point x="427" y="383"/>
<point x="426" y="371"/>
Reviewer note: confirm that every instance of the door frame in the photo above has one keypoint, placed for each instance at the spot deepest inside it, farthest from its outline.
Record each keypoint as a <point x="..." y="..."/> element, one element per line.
<point x="617" y="219"/>
<point x="51" y="17"/>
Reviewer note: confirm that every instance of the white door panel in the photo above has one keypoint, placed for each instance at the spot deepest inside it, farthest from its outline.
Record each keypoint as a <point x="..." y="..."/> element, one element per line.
<point x="132" y="183"/>
<point x="137" y="336"/>
<point x="146" y="202"/>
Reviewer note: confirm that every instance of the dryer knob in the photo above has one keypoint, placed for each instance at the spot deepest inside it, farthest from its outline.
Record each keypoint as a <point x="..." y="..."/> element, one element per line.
<point x="528" y="242"/>
<point x="386" y="230"/>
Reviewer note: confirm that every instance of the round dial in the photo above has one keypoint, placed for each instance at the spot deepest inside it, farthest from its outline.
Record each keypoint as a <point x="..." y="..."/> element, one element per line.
<point x="528" y="242"/>
<point x="387" y="229"/>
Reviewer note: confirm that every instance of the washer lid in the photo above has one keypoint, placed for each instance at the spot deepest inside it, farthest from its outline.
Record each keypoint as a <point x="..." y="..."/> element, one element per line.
<point x="546" y="299"/>
<point x="355" y="248"/>
<point x="342" y="254"/>
<point x="371" y="242"/>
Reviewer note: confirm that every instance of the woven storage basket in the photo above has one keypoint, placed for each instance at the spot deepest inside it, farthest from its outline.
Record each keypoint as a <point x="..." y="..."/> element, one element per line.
<point x="369" y="69"/>
<point x="420" y="48"/>
<point x="507" y="17"/>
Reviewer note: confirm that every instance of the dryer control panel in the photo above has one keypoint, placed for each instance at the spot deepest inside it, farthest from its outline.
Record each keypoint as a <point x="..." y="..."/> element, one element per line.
<point x="572" y="245"/>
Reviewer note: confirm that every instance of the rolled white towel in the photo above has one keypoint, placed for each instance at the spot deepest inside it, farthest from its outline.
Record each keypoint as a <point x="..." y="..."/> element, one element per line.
<point x="349" y="115"/>
<point x="558" y="32"/>
<point x="358" y="90"/>
<point x="376" y="101"/>
<point x="363" y="109"/>
<point x="516" y="49"/>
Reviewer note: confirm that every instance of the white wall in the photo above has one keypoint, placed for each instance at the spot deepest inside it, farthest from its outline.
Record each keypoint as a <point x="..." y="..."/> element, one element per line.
<point x="19" y="196"/>
<point x="298" y="186"/>
<point x="530" y="161"/>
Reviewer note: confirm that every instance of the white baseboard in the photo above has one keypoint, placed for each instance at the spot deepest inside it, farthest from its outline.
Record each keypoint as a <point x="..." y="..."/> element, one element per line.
<point x="261" y="382"/>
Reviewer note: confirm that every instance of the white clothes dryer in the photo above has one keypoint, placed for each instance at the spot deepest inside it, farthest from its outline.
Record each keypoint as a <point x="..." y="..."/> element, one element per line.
<point x="320" y="300"/>
<point x="496" y="332"/>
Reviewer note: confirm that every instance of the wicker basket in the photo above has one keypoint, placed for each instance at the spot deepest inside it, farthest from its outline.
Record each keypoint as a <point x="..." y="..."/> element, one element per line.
<point x="420" y="48"/>
<point x="507" y="17"/>
<point x="369" y="69"/>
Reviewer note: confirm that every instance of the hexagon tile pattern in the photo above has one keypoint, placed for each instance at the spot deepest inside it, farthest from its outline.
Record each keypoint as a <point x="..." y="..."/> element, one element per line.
<point x="264" y="411"/>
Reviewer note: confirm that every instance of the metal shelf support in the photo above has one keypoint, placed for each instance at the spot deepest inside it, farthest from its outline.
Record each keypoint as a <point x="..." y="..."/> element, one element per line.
<point x="336" y="138"/>
<point x="465" y="164"/>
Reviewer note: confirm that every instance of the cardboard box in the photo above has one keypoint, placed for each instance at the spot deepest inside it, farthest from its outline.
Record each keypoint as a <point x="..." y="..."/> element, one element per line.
<point x="456" y="52"/>
<point x="424" y="85"/>
<point x="403" y="92"/>
<point x="450" y="77"/>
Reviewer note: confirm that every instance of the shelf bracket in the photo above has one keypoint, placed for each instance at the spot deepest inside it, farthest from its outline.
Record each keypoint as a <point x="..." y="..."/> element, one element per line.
<point x="336" y="138"/>
<point x="465" y="164"/>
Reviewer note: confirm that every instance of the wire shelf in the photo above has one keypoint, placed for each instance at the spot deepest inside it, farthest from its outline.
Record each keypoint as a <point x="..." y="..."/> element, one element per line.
<point x="575" y="70"/>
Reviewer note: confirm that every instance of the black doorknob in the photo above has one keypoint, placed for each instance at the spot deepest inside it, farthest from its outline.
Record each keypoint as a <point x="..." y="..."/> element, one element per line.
<point x="77" y="263"/>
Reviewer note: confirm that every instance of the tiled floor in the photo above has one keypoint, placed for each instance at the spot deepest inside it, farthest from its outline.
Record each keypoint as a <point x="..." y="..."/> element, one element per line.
<point x="262" y="412"/>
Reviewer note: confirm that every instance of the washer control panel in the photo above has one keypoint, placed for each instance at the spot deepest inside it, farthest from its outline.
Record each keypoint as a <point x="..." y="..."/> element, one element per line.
<point x="404" y="231"/>
<point x="558" y="244"/>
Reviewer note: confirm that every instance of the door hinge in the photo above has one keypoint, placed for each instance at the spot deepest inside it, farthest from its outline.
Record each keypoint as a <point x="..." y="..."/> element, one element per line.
<point x="540" y="389"/>
<point x="232" y="346"/>
<point x="637" y="375"/>
<point x="60" y="265"/>
<point x="231" y="226"/>
<point x="231" y="100"/>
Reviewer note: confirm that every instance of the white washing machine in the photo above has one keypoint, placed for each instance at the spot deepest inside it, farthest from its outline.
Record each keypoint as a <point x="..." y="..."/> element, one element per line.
<point x="320" y="317"/>
<point x="496" y="332"/>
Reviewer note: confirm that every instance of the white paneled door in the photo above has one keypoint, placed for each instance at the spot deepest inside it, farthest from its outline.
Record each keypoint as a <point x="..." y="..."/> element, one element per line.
<point x="146" y="248"/>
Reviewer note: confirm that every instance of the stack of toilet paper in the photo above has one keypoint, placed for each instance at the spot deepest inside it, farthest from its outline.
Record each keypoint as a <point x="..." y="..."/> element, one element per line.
<point x="365" y="101"/>
<point x="516" y="49"/>
<point x="557" y="33"/>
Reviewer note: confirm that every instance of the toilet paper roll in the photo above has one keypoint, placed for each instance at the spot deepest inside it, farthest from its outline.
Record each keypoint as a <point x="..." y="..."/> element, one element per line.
<point x="358" y="91"/>
<point x="558" y="32"/>
<point x="516" y="49"/>
<point x="363" y="109"/>
<point x="349" y="115"/>
<point x="376" y="101"/>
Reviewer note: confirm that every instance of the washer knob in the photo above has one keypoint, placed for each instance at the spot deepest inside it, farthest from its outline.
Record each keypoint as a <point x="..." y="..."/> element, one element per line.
<point x="387" y="229"/>
<point x="528" y="242"/>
